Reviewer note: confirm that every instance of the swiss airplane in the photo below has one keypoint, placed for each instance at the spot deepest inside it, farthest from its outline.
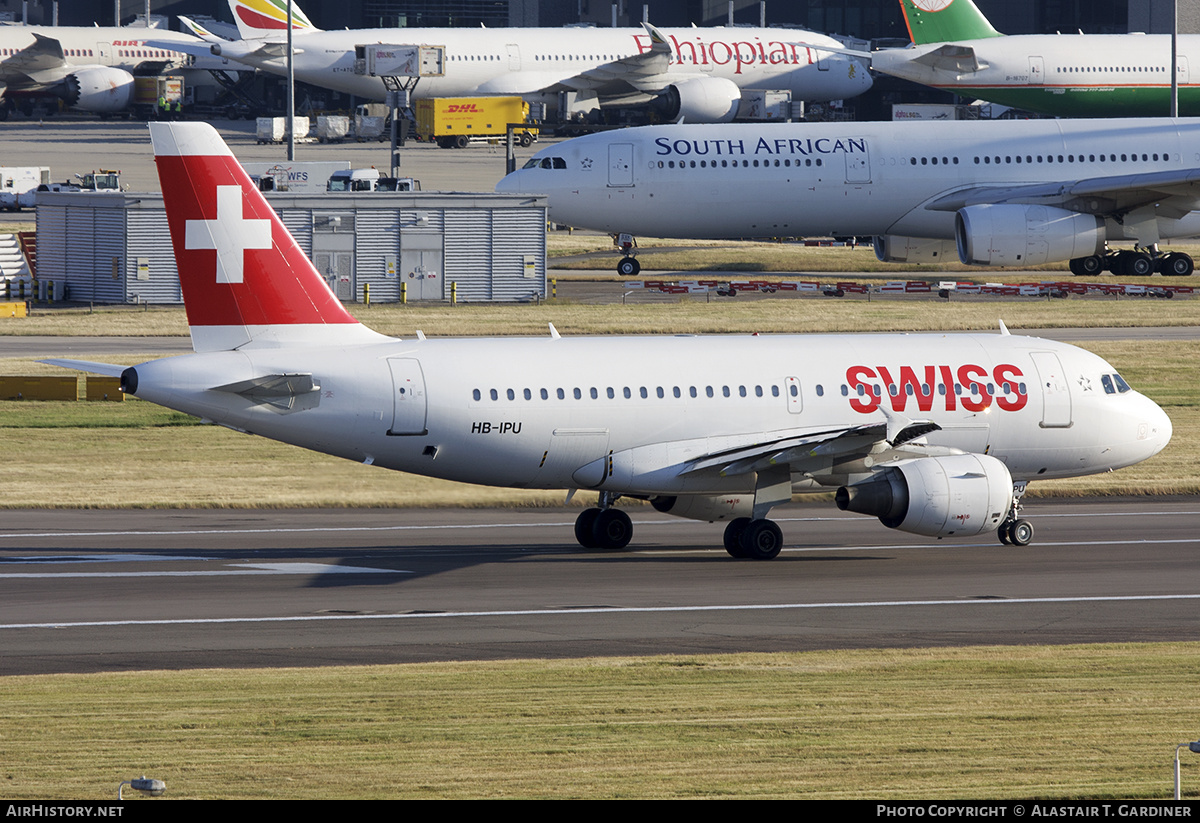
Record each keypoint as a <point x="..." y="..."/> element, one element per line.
<point x="956" y="49"/>
<point x="1004" y="193"/>
<point x="934" y="434"/>
<point x="90" y="69"/>
<point x="696" y="73"/>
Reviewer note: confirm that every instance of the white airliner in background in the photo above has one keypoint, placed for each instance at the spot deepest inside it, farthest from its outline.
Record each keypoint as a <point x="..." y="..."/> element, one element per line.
<point x="1008" y="193"/>
<point x="90" y="69"/>
<point x="1089" y="75"/>
<point x="934" y="434"/>
<point x="697" y="73"/>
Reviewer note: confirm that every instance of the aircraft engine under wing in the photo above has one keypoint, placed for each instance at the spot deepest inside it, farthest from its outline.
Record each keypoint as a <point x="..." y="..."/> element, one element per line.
<point x="98" y="88"/>
<point x="1014" y="234"/>
<point x="958" y="495"/>
<point x="702" y="100"/>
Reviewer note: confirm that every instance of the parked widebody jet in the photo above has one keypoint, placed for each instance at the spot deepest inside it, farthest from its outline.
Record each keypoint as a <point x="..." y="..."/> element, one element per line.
<point x="956" y="49"/>
<point x="695" y="73"/>
<point x="934" y="434"/>
<point x="90" y="69"/>
<point x="1005" y="193"/>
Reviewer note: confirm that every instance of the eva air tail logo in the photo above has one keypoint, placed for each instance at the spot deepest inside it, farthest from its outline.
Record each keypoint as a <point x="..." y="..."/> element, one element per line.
<point x="931" y="5"/>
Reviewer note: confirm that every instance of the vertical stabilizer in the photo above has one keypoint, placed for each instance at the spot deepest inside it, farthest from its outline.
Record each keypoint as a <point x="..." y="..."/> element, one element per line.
<point x="259" y="19"/>
<point x="944" y="21"/>
<point x="244" y="279"/>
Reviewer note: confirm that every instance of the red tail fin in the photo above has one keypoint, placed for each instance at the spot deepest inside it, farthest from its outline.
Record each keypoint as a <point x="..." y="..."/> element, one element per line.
<point x="243" y="276"/>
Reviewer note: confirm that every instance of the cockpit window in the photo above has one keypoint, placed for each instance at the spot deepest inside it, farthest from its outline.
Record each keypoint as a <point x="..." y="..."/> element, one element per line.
<point x="545" y="163"/>
<point x="1113" y="384"/>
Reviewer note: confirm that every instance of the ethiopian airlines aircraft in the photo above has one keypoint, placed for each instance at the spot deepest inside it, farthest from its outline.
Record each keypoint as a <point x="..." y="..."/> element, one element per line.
<point x="1089" y="75"/>
<point x="698" y="74"/>
<point x="90" y="69"/>
<point x="933" y="434"/>
<point x="1005" y="193"/>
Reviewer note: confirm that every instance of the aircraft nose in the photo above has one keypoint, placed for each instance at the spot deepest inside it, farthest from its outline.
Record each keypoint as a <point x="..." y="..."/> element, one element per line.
<point x="510" y="183"/>
<point x="1158" y="428"/>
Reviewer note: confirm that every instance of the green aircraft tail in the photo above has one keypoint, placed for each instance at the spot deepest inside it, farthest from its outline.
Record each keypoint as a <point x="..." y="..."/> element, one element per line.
<point x="942" y="21"/>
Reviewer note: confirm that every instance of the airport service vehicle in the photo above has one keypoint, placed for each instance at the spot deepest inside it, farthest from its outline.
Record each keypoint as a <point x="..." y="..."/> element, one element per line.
<point x="956" y="49"/>
<point x="694" y="73"/>
<point x="457" y="122"/>
<point x="934" y="434"/>
<point x="1004" y="193"/>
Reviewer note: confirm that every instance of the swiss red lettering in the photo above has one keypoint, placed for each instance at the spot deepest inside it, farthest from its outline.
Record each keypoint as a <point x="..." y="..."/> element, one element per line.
<point x="979" y="388"/>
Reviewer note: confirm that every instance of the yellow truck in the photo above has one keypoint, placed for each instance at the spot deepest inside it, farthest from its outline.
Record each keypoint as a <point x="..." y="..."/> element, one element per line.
<point x="457" y="122"/>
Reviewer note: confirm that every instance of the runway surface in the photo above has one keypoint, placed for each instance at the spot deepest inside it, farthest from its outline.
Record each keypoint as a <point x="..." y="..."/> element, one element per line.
<point x="116" y="590"/>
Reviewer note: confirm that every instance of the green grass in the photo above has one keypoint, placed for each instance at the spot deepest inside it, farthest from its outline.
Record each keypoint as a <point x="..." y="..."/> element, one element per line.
<point x="1073" y="722"/>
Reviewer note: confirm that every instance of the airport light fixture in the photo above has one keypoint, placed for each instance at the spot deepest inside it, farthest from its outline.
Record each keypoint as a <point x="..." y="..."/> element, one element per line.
<point x="143" y="784"/>
<point x="1193" y="747"/>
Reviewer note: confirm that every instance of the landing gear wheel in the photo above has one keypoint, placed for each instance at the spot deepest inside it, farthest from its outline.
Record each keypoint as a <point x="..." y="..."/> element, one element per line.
<point x="1002" y="533"/>
<point x="733" y="536"/>
<point x="1176" y="264"/>
<point x="1137" y="264"/>
<point x="1087" y="266"/>
<point x="1020" y="532"/>
<point x="761" y="540"/>
<point x="628" y="267"/>
<point x="611" y="529"/>
<point x="583" y="528"/>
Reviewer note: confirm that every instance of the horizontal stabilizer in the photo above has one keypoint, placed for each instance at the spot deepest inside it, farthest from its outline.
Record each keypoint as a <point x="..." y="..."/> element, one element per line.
<point x="951" y="57"/>
<point x="106" y="369"/>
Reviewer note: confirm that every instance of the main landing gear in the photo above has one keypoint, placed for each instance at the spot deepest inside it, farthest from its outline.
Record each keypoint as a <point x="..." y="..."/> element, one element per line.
<point x="604" y="527"/>
<point x="753" y="539"/>
<point x="1136" y="262"/>
<point x="1014" y="531"/>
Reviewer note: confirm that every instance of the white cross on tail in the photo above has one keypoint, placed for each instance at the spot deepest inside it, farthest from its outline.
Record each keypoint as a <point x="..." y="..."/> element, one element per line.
<point x="230" y="234"/>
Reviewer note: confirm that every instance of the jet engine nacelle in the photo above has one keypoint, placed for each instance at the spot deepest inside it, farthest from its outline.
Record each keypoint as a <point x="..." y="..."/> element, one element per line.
<point x="893" y="248"/>
<point x="702" y="100"/>
<point x="1022" y="235"/>
<point x="98" y="88"/>
<point x="960" y="495"/>
<point x="707" y="507"/>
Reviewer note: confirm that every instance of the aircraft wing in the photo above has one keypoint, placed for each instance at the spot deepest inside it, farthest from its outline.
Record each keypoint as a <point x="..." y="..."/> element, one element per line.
<point x="814" y="449"/>
<point x="1176" y="193"/>
<point x="41" y="62"/>
<point x="645" y="72"/>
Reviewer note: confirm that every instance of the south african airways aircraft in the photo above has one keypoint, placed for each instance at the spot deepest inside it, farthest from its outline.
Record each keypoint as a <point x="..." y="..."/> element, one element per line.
<point x="695" y="73"/>
<point x="1004" y="193"/>
<point x="934" y="434"/>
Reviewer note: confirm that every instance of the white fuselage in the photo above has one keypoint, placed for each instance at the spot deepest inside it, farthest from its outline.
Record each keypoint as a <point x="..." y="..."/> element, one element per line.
<point x="796" y="179"/>
<point x="524" y="413"/>
<point x="534" y="62"/>
<point x="1088" y="75"/>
